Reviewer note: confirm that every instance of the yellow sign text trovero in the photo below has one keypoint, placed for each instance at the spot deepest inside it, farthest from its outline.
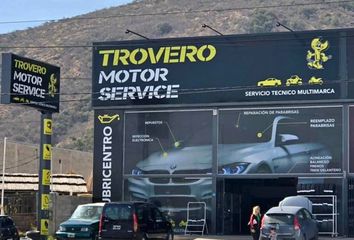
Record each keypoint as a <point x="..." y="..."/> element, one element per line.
<point x="173" y="54"/>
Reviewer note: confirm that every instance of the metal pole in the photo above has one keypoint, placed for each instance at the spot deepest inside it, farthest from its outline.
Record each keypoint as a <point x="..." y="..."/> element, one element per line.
<point x="3" y="178"/>
<point x="44" y="174"/>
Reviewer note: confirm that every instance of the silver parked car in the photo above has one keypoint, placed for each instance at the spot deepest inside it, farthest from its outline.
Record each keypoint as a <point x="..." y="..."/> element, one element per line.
<point x="295" y="223"/>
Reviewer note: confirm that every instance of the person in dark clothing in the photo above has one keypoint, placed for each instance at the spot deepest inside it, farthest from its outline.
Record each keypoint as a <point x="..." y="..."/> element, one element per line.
<point x="255" y="222"/>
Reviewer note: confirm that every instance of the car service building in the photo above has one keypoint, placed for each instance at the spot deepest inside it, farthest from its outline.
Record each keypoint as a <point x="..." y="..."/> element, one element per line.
<point x="229" y="121"/>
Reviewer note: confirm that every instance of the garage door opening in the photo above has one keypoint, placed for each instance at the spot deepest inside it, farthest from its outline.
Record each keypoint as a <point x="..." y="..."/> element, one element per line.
<point x="238" y="196"/>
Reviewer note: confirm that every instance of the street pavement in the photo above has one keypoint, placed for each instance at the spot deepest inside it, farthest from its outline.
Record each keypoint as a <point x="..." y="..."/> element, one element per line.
<point x="219" y="237"/>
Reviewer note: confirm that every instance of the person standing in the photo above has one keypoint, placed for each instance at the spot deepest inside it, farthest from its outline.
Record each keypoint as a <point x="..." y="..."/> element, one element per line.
<point x="255" y="222"/>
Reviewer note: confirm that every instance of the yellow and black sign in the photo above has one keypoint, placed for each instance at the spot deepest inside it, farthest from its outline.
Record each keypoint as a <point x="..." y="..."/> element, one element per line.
<point x="44" y="226"/>
<point x="317" y="57"/>
<point x="48" y="130"/>
<point x="26" y="80"/>
<point x="167" y="67"/>
<point x="45" y="202"/>
<point x="47" y="151"/>
<point x="52" y="88"/>
<point x="46" y="177"/>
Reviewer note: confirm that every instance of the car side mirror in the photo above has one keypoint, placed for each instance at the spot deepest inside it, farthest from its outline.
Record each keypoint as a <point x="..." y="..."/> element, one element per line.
<point x="286" y="138"/>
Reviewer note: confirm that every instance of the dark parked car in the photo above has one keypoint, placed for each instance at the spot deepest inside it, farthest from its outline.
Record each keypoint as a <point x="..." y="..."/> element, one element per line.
<point x="8" y="230"/>
<point x="133" y="220"/>
<point x="295" y="223"/>
<point x="83" y="223"/>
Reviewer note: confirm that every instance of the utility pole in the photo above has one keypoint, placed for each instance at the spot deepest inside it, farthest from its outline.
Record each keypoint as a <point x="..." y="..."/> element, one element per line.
<point x="3" y="178"/>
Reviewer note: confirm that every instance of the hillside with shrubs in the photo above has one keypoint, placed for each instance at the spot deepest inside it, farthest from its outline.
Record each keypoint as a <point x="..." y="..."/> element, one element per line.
<point x="67" y="42"/>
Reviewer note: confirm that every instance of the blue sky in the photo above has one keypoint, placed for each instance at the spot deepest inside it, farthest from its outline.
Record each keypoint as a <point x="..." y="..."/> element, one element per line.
<point x="22" y="10"/>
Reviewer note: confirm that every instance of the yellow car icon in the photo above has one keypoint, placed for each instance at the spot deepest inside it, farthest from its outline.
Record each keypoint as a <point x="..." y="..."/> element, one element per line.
<point x="294" y="80"/>
<point x="315" y="81"/>
<point x="269" y="82"/>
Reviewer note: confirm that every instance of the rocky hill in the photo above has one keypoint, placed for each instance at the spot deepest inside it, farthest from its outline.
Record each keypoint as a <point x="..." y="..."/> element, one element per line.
<point x="51" y="42"/>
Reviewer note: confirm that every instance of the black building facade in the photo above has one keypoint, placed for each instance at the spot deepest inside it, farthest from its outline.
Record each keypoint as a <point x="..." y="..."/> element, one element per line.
<point x="229" y="121"/>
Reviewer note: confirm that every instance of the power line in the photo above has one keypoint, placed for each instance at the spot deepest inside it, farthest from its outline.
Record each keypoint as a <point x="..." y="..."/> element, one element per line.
<point x="178" y="12"/>
<point x="52" y="102"/>
<point x="183" y="91"/>
<point x="76" y="78"/>
<point x="32" y="158"/>
<point x="32" y="121"/>
<point x="240" y="39"/>
<point x="20" y="165"/>
<point x="23" y="164"/>
<point x="14" y="122"/>
<point x="48" y="46"/>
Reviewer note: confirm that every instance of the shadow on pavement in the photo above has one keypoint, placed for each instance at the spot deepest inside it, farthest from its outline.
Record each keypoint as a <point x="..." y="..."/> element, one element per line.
<point x="238" y="237"/>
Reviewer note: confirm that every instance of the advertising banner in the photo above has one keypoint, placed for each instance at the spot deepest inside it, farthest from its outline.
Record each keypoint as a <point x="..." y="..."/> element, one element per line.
<point x="158" y="149"/>
<point x="178" y="142"/>
<point x="280" y="140"/>
<point x="108" y="156"/>
<point x="30" y="82"/>
<point x="215" y="70"/>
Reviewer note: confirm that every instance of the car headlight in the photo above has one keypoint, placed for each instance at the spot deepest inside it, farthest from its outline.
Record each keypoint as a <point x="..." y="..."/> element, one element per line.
<point x="84" y="229"/>
<point x="235" y="168"/>
<point x="137" y="171"/>
<point x="62" y="229"/>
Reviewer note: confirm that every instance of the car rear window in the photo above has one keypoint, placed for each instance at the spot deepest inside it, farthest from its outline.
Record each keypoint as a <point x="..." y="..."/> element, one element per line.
<point x="279" y="218"/>
<point x="118" y="212"/>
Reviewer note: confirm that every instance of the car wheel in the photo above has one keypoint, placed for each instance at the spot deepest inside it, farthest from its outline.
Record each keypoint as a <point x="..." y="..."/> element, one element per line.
<point x="264" y="169"/>
<point x="169" y="236"/>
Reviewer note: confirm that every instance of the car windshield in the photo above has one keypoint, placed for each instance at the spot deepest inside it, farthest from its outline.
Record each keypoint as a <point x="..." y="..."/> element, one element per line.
<point x="245" y="127"/>
<point x="87" y="212"/>
<point x="283" y="219"/>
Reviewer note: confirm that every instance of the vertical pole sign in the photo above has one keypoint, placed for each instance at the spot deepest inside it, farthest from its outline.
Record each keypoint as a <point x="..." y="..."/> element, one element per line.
<point x="36" y="84"/>
<point x="44" y="172"/>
